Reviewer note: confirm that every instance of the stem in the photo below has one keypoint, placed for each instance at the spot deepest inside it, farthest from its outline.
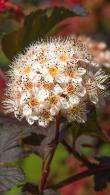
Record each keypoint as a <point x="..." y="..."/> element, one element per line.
<point x="79" y="176"/>
<point x="46" y="165"/>
<point x="76" y="155"/>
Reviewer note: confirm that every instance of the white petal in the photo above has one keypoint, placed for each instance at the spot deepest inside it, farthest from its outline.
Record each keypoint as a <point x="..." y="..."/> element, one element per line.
<point x="27" y="110"/>
<point x="101" y="86"/>
<point x="81" y="71"/>
<point x="43" y="123"/>
<point x="32" y="75"/>
<point x="54" y="110"/>
<point x="48" y="78"/>
<point x="58" y="89"/>
<point x="74" y="99"/>
<point x="43" y="94"/>
<point x="77" y="79"/>
<point x="31" y="119"/>
<point x="24" y="97"/>
<point x="18" y="115"/>
<point x="64" y="103"/>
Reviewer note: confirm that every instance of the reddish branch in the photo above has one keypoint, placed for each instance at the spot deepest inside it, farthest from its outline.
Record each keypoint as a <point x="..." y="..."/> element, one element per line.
<point x="46" y="165"/>
<point x="82" y="175"/>
<point x="77" y="156"/>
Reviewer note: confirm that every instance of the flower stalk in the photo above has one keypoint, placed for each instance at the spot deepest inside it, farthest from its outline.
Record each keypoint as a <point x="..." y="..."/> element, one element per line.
<point x="46" y="164"/>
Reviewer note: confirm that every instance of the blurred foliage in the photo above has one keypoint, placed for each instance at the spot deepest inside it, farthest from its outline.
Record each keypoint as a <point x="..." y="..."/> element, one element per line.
<point x="41" y="23"/>
<point x="32" y="168"/>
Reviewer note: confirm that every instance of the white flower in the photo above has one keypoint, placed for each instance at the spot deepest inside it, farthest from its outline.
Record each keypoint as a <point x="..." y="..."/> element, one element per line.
<point x="44" y="118"/>
<point x="77" y="113"/>
<point x="73" y="99"/>
<point x="65" y="104"/>
<point x="27" y="111"/>
<point x="95" y="85"/>
<point x="53" y="76"/>
<point x="42" y="94"/>
<point x="57" y="89"/>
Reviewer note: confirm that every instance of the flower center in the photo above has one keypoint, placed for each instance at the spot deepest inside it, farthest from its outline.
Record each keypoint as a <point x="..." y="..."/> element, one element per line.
<point x="53" y="71"/>
<point x="69" y="71"/>
<point x="27" y="70"/>
<point x="70" y="89"/>
<point x="48" y="86"/>
<point x="45" y="114"/>
<point x="63" y="58"/>
<point x="75" y="110"/>
<point x="53" y="100"/>
<point x="33" y="102"/>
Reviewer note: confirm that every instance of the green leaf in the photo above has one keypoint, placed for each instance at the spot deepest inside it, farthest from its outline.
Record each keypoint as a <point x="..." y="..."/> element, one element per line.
<point x="13" y="191"/>
<point x="4" y="61"/>
<point x="37" y="25"/>
<point x="32" y="168"/>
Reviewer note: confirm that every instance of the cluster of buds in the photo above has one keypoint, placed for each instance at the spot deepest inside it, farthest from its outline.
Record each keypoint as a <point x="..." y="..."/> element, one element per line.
<point x="98" y="50"/>
<point x="57" y="75"/>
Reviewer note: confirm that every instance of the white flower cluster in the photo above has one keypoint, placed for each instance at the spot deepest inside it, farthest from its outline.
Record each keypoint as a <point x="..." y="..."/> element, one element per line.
<point x="50" y="77"/>
<point x="99" y="51"/>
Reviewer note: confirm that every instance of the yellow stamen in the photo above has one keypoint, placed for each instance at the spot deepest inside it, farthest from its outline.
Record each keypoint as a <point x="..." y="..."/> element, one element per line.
<point x="33" y="102"/>
<point x="75" y="110"/>
<point x="45" y="114"/>
<point x="53" y="100"/>
<point x="53" y="71"/>
<point x="27" y="70"/>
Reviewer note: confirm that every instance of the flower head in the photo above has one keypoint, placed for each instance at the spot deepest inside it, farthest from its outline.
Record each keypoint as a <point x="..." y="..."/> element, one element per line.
<point x="53" y="76"/>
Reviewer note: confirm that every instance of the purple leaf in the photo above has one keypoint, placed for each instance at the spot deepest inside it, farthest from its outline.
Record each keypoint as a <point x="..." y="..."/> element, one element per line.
<point x="9" y="177"/>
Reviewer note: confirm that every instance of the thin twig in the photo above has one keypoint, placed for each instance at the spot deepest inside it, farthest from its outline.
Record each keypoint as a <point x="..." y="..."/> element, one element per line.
<point x="77" y="156"/>
<point x="82" y="175"/>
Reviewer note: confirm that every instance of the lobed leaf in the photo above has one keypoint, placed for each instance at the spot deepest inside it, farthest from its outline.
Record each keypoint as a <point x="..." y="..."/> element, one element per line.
<point x="9" y="177"/>
<point x="10" y="134"/>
